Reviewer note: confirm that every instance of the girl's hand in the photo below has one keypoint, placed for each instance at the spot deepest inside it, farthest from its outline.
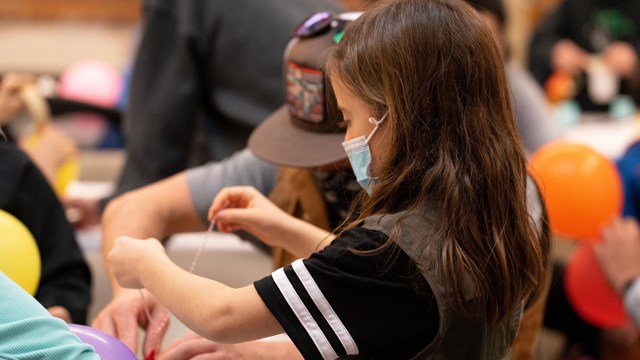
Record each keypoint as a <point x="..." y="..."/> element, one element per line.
<point x="128" y="257"/>
<point x="244" y="208"/>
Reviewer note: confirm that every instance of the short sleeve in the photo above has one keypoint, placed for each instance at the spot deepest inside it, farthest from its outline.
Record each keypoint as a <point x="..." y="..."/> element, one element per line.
<point x="243" y="168"/>
<point x="340" y="302"/>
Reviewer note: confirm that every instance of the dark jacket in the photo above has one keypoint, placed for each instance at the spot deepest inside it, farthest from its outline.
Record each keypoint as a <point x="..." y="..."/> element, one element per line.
<point x="24" y="193"/>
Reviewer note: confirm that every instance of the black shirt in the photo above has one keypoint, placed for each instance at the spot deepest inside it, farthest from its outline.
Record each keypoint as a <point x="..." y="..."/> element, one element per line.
<point x="339" y="303"/>
<point x="65" y="278"/>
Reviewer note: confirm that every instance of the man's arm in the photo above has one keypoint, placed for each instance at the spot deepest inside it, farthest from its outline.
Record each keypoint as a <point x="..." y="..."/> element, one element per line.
<point x="157" y="210"/>
<point x="180" y="203"/>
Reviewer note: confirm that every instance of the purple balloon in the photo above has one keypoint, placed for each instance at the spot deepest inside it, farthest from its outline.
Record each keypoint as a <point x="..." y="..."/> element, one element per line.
<point x="105" y="345"/>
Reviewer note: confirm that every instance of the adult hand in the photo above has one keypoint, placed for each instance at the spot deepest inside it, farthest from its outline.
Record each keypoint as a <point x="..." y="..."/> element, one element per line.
<point x="245" y="208"/>
<point x="619" y="252"/>
<point x="568" y="57"/>
<point x="82" y="212"/>
<point x="10" y="101"/>
<point x="125" y="313"/>
<point x="61" y="313"/>
<point x="50" y="149"/>
<point x="621" y="58"/>
<point x="193" y="346"/>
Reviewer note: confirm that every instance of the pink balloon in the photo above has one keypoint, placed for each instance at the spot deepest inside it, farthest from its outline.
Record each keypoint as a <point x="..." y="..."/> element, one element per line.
<point x="108" y="347"/>
<point x="91" y="81"/>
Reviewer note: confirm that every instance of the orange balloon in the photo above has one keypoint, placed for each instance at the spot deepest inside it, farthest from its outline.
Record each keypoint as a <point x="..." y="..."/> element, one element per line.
<point x="590" y="294"/>
<point x="581" y="188"/>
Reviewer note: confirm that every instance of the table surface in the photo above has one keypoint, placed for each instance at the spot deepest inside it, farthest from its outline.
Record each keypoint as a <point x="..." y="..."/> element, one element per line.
<point x="610" y="137"/>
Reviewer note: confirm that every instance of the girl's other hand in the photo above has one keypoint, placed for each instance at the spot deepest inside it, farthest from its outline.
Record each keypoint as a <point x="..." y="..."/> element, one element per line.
<point x="245" y="208"/>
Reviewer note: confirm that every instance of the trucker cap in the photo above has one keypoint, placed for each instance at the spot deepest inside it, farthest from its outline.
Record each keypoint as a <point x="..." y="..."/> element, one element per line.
<point x="306" y="131"/>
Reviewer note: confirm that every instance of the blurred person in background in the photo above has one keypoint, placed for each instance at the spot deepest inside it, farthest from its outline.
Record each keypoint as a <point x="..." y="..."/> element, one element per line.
<point x="65" y="282"/>
<point x="584" y="38"/>
<point x="53" y="147"/>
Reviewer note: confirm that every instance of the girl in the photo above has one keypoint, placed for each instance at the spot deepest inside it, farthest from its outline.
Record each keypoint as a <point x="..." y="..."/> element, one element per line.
<point x="438" y="255"/>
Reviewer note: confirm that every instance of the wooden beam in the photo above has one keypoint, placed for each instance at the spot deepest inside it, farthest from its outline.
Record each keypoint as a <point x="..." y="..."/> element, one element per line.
<point x="86" y="10"/>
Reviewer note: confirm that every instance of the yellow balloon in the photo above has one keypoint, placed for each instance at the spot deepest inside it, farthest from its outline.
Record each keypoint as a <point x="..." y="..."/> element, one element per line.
<point x="19" y="255"/>
<point x="68" y="172"/>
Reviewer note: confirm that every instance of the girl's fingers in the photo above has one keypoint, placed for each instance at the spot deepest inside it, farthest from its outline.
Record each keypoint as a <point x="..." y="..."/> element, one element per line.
<point x="232" y="197"/>
<point x="233" y="219"/>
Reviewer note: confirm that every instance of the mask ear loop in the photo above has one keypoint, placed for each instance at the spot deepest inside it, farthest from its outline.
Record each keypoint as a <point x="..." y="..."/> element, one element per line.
<point x="375" y="122"/>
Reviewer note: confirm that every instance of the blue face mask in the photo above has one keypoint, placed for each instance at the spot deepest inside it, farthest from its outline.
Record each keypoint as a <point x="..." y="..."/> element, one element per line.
<point x="359" y="155"/>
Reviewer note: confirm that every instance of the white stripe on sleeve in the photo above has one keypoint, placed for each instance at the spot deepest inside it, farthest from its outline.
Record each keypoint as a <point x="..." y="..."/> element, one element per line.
<point x="303" y="314"/>
<point x="325" y="308"/>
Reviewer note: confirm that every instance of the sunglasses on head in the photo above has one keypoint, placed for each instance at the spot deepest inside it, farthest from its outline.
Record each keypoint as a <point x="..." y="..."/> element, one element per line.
<point x="318" y="24"/>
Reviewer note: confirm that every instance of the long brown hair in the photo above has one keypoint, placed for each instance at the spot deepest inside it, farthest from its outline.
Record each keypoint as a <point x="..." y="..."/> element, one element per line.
<point x="433" y="65"/>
